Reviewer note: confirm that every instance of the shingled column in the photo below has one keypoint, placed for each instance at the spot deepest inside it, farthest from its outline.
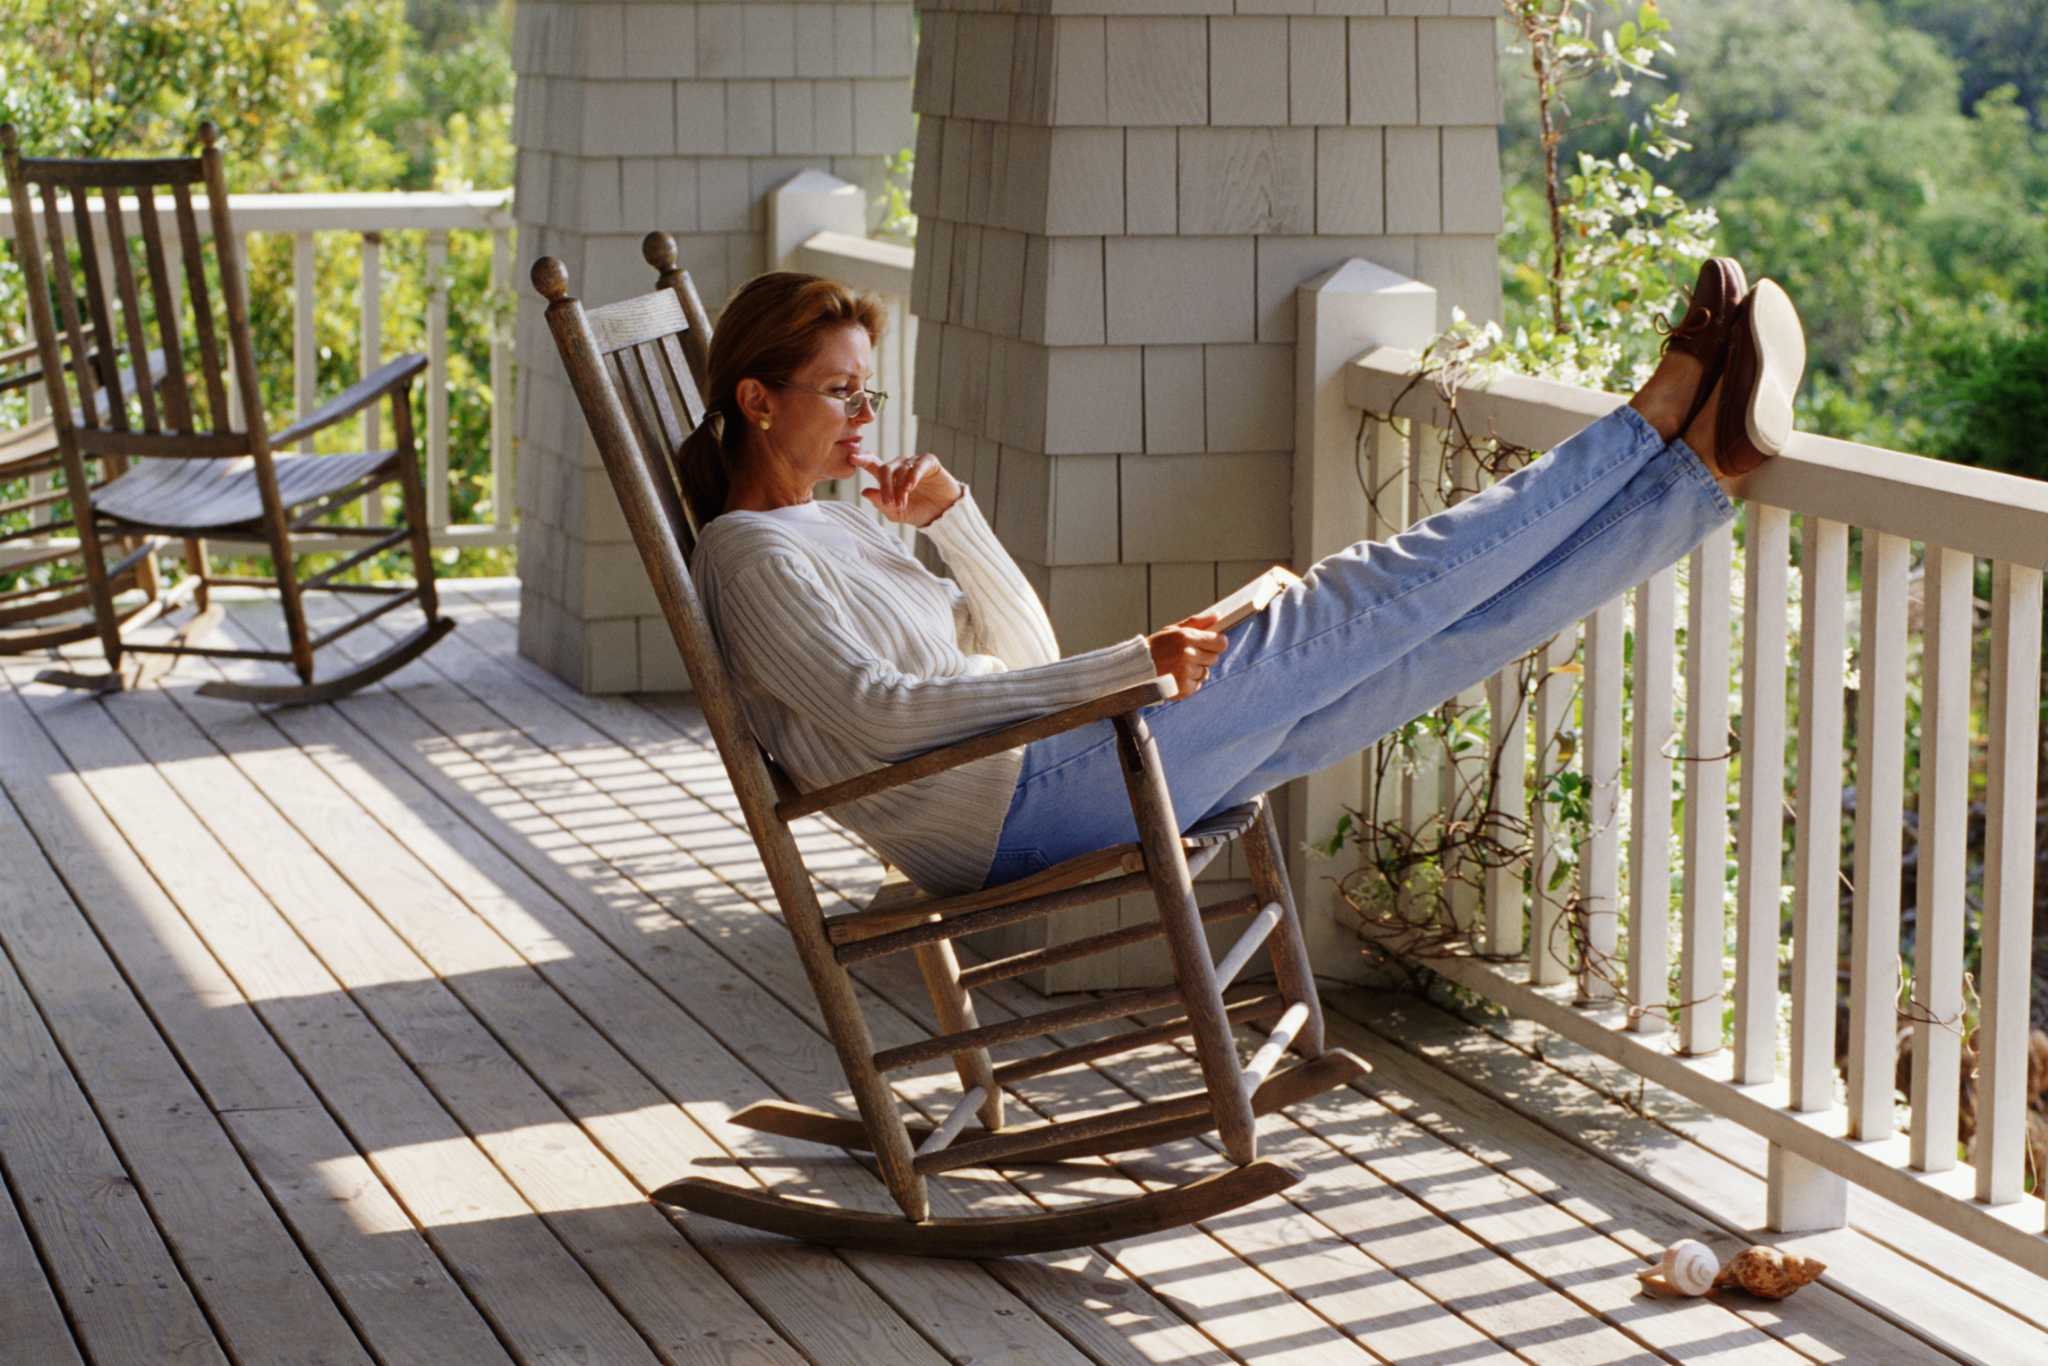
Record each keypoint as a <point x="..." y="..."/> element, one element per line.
<point x="1116" y="203"/>
<point x="631" y="117"/>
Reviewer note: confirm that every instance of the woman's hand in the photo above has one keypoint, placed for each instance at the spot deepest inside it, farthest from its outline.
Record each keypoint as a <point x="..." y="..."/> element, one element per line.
<point x="1187" y="650"/>
<point x="914" y="489"/>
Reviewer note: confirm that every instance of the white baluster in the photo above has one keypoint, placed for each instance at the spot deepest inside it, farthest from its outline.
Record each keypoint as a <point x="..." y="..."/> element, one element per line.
<point x="2000" y="1152"/>
<point x="1760" y="829"/>
<point x="1817" y="812"/>
<point x="1705" y="835"/>
<point x="1464" y="775"/>
<point x="1880" y="794"/>
<point x="1386" y="476"/>
<point x="372" y="332"/>
<point x="305" y="343"/>
<point x="1508" y="721"/>
<point x="1649" y="850"/>
<point x="1939" y="911"/>
<point x="1549" y="713"/>
<point x="1600" y="860"/>
<point x="1421" y="784"/>
<point x="437" y="380"/>
<point x="502" y="476"/>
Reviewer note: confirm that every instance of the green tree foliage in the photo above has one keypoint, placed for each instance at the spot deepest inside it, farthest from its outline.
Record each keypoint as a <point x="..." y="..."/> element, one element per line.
<point x="1994" y="42"/>
<point x="1883" y="159"/>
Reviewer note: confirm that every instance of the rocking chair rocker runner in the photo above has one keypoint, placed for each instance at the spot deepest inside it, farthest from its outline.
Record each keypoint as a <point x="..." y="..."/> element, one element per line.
<point x="193" y="470"/>
<point x="628" y="364"/>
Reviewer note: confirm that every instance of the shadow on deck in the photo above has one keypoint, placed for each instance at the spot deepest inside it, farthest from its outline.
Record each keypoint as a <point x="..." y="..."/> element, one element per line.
<point x="359" y="1032"/>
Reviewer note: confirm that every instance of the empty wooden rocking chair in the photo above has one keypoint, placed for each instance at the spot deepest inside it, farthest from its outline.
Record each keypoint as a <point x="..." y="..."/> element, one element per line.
<point x="186" y="465"/>
<point x="627" y="364"/>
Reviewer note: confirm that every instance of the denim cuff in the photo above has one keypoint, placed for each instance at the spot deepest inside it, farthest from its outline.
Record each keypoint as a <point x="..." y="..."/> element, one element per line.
<point x="1696" y="468"/>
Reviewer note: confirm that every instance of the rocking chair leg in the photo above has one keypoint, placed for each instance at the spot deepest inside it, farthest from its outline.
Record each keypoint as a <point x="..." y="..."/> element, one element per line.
<point x="955" y="1011"/>
<point x="1166" y="862"/>
<point x="94" y="554"/>
<point x="195" y="563"/>
<point x="1290" y="950"/>
<point x="413" y="496"/>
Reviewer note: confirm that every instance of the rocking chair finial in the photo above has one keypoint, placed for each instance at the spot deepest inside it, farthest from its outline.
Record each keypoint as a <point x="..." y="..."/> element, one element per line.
<point x="551" y="278"/>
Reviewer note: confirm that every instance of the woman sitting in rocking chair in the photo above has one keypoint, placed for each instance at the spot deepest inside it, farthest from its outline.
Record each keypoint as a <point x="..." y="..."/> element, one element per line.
<point x="849" y="654"/>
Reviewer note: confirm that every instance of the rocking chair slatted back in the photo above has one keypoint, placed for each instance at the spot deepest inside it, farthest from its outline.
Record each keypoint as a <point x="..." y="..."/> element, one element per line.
<point x="634" y="368"/>
<point x="80" y="253"/>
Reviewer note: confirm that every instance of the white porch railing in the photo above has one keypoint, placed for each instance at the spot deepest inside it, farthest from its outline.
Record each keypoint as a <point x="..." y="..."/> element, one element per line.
<point x="1821" y="1135"/>
<point x="370" y="218"/>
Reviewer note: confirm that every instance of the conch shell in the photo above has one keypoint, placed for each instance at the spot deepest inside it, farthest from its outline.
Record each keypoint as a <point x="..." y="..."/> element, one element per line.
<point x="1767" y="1272"/>
<point x="1688" y="1267"/>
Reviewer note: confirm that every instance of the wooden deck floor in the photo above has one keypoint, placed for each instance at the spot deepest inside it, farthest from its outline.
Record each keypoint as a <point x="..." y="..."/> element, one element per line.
<point x="359" y="1033"/>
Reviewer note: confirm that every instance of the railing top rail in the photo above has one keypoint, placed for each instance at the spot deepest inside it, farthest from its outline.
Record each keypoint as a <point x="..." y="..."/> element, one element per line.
<point x="472" y="210"/>
<point x="863" y="262"/>
<point x="1984" y="512"/>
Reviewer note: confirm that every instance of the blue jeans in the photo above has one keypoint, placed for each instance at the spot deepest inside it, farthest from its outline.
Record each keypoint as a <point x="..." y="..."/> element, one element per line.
<point x="1382" y="631"/>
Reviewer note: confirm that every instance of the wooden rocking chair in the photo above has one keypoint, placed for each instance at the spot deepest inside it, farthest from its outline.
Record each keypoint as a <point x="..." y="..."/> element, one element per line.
<point x="43" y="615"/>
<point x="627" y="364"/>
<point x="189" y="471"/>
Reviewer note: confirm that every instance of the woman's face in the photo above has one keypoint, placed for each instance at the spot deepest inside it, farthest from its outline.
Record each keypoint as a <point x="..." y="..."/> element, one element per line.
<point x="810" y="431"/>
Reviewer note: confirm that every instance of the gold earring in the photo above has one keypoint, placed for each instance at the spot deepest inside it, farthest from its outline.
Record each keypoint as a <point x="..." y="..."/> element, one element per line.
<point x="764" y="424"/>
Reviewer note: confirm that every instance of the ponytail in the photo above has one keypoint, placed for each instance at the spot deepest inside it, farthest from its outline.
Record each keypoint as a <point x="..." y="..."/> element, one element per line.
<point x="705" y="466"/>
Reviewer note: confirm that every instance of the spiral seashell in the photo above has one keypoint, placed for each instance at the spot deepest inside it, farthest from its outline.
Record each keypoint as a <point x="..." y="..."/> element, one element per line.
<point x="1768" y="1272"/>
<point x="1689" y="1267"/>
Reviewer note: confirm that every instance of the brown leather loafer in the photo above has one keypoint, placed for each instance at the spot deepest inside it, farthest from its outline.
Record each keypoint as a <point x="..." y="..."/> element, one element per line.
<point x="1766" y="357"/>
<point x="1704" y="330"/>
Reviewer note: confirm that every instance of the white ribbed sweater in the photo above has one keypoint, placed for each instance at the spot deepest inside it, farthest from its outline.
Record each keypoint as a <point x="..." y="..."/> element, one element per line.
<point x="843" y="667"/>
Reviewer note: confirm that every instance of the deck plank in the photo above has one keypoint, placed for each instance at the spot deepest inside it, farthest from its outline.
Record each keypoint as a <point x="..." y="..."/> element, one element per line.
<point x="958" y="1305"/>
<point x="395" y="1288"/>
<point x="127" y="1296"/>
<point x="265" y="1299"/>
<point x="515" y="1267"/>
<point x="31" y="1321"/>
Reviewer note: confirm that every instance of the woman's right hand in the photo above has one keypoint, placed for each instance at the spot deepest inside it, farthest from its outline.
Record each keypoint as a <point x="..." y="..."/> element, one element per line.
<point x="1186" y="650"/>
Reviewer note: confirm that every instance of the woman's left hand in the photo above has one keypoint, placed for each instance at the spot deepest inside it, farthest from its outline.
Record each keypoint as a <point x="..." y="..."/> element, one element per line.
<point x="915" y="489"/>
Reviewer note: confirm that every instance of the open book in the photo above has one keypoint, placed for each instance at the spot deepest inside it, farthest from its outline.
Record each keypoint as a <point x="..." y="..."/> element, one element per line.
<point x="1253" y="597"/>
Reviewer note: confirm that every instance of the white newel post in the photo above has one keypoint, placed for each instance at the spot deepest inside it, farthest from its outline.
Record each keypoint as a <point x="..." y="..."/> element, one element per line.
<point x="684" y="117"/>
<point x="1342" y="313"/>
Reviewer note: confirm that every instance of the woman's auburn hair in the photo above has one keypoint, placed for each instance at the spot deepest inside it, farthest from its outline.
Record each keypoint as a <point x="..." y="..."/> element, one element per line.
<point x="768" y="330"/>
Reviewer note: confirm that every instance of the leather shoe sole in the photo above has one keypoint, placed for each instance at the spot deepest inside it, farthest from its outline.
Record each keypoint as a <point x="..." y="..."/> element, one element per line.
<point x="1766" y="358"/>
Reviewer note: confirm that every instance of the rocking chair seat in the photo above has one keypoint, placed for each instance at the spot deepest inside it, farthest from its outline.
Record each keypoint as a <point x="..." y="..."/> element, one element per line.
<point x="217" y="493"/>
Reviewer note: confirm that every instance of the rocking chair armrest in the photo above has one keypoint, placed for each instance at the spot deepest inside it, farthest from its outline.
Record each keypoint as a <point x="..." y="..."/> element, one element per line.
<point x="391" y="376"/>
<point x="977" y="747"/>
